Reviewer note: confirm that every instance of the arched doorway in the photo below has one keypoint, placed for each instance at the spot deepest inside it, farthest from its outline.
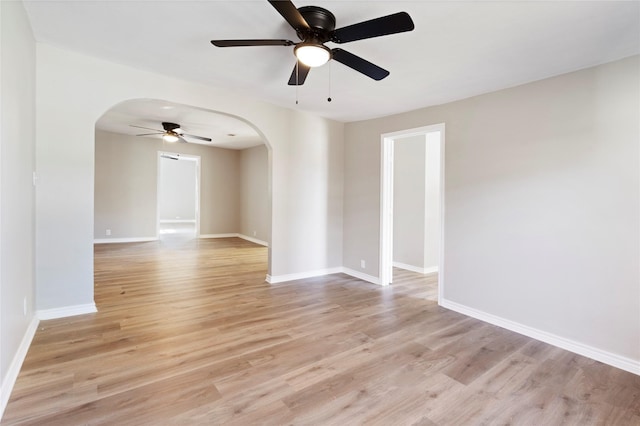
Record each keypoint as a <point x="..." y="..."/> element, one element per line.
<point x="234" y="159"/>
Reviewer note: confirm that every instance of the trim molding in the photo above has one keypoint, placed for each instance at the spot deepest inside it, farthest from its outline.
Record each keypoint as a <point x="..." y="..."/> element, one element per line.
<point x="148" y="239"/>
<point x="218" y="235"/>
<point x="302" y="275"/>
<point x="66" y="311"/>
<point x="14" y="369"/>
<point x="253" y="240"/>
<point x="321" y="272"/>
<point x="236" y="235"/>
<point x="178" y="221"/>
<point x="624" y="363"/>
<point x="124" y="240"/>
<point x="362" y="276"/>
<point x="423" y="271"/>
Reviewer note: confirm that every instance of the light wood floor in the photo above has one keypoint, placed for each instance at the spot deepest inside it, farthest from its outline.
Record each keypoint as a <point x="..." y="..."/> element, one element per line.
<point x="189" y="333"/>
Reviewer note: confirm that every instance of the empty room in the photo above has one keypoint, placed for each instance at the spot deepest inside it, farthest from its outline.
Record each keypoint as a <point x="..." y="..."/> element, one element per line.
<point x="319" y="213"/>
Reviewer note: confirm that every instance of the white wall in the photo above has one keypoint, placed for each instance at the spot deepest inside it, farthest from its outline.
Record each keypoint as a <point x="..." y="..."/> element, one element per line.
<point x="126" y="186"/>
<point x="17" y="147"/>
<point x="409" y="201"/>
<point x="432" y="200"/>
<point x="362" y="197"/>
<point x="314" y="195"/>
<point x="75" y="90"/>
<point x="234" y="187"/>
<point x="416" y="202"/>
<point x="255" y="216"/>
<point x="542" y="214"/>
<point x="177" y="190"/>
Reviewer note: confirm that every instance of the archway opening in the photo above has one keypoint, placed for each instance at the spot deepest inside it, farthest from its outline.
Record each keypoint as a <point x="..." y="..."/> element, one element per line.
<point x="232" y="160"/>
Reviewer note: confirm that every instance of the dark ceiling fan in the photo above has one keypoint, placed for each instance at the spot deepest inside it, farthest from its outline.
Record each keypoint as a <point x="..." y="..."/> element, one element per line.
<point x="171" y="133"/>
<point x="316" y="26"/>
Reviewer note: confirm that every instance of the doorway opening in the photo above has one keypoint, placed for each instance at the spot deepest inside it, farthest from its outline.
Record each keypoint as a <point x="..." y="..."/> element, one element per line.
<point x="232" y="195"/>
<point x="412" y="205"/>
<point x="178" y="196"/>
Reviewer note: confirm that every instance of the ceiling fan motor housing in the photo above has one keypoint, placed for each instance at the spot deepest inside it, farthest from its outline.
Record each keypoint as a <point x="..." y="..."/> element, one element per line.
<point x="170" y="127"/>
<point x="321" y="23"/>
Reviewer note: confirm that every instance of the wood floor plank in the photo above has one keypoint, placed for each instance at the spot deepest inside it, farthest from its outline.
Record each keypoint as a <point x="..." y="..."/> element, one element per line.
<point x="188" y="332"/>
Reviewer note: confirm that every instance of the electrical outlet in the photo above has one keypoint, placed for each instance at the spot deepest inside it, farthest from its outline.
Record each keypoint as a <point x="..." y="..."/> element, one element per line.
<point x="107" y="232"/>
<point x="363" y="264"/>
<point x="24" y="306"/>
<point x="255" y="233"/>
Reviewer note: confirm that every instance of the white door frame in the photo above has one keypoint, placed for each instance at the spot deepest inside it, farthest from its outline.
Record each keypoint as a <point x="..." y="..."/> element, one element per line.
<point x="386" y="201"/>
<point x="182" y="157"/>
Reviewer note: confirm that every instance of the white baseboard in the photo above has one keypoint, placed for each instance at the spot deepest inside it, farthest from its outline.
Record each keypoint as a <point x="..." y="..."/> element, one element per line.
<point x="417" y="269"/>
<point x="67" y="311"/>
<point x="124" y="240"/>
<point x="302" y="275"/>
<point x="218" y="235"/>
<point x="178" y="221"/>
<point x="361" y="275"/>
<point x="321" y="272"/>
<point x="430" y="270"/>
<point x="253" y="240"/>
<point x="624" y="363"/>
<point x="236" y="235"/>
<point x="14" y="369"/>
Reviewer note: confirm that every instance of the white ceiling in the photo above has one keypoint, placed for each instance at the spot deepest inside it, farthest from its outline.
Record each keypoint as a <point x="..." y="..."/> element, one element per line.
<point x="458" y="49"/>
<point x="225" y="131"/>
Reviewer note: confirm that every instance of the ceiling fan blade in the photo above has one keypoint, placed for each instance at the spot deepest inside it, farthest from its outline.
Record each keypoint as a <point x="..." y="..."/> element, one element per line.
<point x="150" y="134"/>
<point x="146" y="128"/>
<point x="182" y="140"/>
<point x="385" y="25"/>
<point x="251" y="42"/>
<point x="359" y="64"/>
<point x="299" y="74"/>
<point x="197" y="137"/>
<point x="290" y="13"/>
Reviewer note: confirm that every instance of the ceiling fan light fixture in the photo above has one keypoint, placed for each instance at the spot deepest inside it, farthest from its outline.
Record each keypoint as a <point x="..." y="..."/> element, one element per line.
<point x="170" y="137"/>
<point x="312" y="55"/>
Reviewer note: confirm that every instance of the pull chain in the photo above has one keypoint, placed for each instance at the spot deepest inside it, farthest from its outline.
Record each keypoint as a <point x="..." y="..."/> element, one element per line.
<point x="329" y="98"/>
<point x="297" y="81"/>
